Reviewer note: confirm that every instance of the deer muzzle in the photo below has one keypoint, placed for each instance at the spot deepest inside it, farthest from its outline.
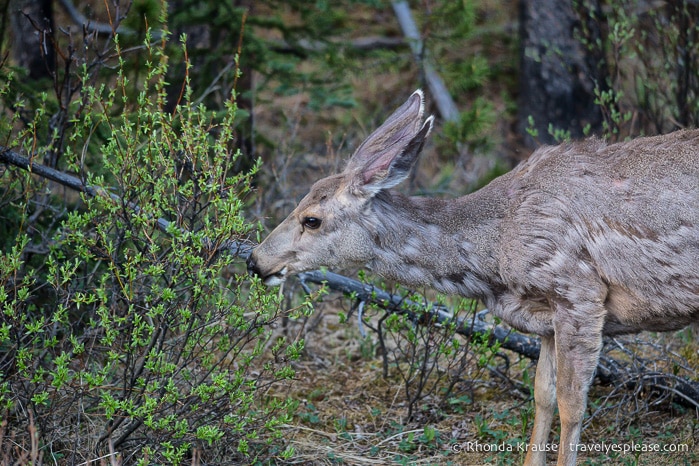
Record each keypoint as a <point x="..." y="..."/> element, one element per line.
<point x="269" y="279"/>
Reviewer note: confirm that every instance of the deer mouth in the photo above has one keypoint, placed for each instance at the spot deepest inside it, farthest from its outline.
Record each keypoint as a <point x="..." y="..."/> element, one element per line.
<point x="269" y="279"/>
<point x="275" y="279"/>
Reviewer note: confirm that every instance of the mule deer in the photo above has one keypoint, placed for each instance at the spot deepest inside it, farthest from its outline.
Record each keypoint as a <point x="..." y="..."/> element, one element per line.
<point x="581" y="240"/>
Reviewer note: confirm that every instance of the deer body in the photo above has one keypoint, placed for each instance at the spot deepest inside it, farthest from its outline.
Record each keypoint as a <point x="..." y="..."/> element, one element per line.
<point x="579" y="241"/>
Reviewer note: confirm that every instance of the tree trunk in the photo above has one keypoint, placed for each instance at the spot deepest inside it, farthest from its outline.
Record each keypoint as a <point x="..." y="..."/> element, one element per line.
<point x="32" y="36"/>
<point x="558" y="73"/>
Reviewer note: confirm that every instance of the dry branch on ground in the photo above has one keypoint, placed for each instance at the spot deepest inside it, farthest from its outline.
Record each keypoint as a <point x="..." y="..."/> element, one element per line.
<point x="634" y="376"/>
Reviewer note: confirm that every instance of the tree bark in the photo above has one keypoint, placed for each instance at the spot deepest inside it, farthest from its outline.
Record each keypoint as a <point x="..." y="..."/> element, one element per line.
<point x="32" y="36"/>
<point x="558" y="73"/>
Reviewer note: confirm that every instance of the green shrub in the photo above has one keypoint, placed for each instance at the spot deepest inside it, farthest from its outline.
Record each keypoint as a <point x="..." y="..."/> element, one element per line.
<point x="128" y="327"/>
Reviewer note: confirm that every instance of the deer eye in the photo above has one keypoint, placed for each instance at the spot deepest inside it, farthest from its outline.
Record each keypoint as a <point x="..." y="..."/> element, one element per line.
<point x="312" y="223"/>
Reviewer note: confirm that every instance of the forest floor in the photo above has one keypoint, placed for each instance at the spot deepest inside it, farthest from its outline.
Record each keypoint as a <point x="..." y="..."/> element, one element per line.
<point x="351" y="414"/>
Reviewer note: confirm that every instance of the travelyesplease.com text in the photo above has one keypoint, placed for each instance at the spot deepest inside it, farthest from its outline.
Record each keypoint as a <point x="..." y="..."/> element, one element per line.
<point x="601" y="447"/>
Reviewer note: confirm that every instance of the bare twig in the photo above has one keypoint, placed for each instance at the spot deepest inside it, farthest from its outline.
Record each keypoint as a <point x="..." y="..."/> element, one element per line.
<point x="97" y="27"/>
<point x="609" y="371"/>
<point x="304" y="47"/>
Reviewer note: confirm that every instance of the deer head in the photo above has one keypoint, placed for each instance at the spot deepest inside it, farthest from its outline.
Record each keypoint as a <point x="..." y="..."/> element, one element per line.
<point x="332" y="225"/>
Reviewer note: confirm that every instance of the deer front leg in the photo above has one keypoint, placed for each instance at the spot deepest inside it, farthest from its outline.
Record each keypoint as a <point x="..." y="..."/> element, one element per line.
<point x="578" y="345"/>
<point x="545" y="402"/>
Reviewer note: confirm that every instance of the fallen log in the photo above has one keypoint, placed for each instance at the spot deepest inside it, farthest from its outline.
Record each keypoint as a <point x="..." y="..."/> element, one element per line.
<point x="633" y="375"/>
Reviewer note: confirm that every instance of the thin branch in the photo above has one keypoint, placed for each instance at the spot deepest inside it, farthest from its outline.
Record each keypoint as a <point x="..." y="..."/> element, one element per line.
<point x="609" y="371"/>
<point x="509" y="339"/>
<point x="438" y="90"/>
<point x="304" y="47"/>
<point x="104" y="29"/>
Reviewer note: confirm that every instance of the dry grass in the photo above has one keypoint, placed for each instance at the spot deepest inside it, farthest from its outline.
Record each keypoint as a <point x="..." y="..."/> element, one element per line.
<point x="350" y="414"/>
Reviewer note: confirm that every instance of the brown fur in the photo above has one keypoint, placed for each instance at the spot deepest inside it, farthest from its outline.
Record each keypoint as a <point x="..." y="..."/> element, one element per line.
<point x="580" y="240"/>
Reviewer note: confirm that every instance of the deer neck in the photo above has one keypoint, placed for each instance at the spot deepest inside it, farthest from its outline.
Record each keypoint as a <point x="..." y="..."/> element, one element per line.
<point x="448" y="245"/>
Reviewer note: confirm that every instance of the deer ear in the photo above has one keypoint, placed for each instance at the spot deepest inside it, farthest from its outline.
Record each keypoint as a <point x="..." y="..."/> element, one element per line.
<point x="385" y="158"/>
